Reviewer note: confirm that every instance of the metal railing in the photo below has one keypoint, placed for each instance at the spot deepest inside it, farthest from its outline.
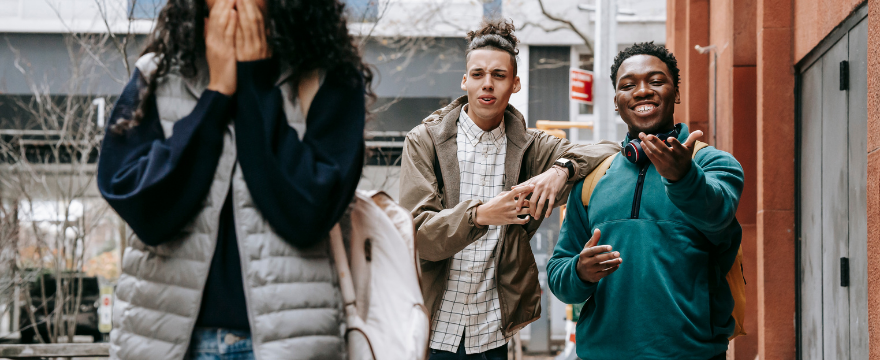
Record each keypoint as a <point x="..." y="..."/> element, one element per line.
<point x="385" y="139"/>
<point x="555" y="128"/>
<point x="54" y="350"/>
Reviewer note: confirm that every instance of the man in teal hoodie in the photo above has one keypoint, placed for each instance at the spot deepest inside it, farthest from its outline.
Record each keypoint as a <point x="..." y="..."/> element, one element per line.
<point x="670" y="215"/>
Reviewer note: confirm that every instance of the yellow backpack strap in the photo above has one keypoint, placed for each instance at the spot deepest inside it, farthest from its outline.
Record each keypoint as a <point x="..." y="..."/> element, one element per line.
<point x="737" y="283"/>
<point x="699" y="145"/>
<point x="593" y="178"/>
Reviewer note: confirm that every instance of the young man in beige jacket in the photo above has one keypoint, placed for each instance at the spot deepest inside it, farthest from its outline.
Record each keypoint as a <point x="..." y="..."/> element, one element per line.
<point x="479" y="184"/>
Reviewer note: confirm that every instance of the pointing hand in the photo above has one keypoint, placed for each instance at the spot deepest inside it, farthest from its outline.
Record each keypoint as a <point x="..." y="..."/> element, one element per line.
<point x="597" y="262"/>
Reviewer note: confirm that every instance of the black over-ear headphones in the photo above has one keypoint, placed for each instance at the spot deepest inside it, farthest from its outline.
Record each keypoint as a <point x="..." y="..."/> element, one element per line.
<point x="633" y="151"/>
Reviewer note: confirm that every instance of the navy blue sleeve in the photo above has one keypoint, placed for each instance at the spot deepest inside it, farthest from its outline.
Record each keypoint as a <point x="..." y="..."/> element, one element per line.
<point x="156" y="184"/>
<point x="301" y="188"/>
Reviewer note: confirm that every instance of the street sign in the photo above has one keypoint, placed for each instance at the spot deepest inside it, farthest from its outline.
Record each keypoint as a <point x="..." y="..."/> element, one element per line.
<point x="581" y="82"/>
<point x="105" y="310"/>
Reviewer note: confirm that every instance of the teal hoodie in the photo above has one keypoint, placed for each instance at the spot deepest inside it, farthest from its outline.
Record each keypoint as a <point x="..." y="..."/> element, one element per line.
<point x="669" y="298"/>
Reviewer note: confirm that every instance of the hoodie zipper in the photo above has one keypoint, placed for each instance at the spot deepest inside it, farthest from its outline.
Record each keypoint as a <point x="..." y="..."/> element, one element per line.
<point x="637" y="199"/>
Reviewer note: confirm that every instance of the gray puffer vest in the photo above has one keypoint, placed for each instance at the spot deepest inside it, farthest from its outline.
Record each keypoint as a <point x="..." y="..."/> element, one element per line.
<point x="293" y="303"/>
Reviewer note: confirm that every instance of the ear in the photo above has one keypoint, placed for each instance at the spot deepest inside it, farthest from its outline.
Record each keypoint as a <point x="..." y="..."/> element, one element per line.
<point x="517" y="86"/>
<point x="464" y="82"/>
<point x="614" y="100"/>
<point x="677" y="96"/>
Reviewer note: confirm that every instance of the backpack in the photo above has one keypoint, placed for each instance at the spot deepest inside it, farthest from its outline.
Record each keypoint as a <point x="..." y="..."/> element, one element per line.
<point x="379" y="276"/>
<point x="735" y="278"/>
<point x="379" y="271"/>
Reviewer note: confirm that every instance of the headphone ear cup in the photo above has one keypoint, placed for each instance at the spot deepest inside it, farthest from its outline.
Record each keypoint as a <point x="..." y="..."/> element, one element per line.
<point x="641" y="158"/>
<point x="634" y="153"/>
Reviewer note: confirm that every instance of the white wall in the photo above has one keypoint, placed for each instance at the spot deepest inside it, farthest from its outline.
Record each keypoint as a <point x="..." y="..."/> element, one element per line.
<point x="435" y="18"/>
<point x="648" y="23"/>
<point x="432" y="18"/>
<point x="56" y="16"/>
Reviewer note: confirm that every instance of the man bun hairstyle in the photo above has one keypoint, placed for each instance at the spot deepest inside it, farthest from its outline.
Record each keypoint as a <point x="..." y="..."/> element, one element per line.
<point x="494" y="35"/>
<point x="646" y="48"/>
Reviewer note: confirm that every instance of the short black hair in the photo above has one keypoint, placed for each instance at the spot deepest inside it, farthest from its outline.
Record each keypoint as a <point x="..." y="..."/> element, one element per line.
<point x="496" y="35"/>
<point x="646" y="48"/>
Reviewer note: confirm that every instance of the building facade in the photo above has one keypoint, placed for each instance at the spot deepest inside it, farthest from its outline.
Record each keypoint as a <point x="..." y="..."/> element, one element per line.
<point x="786" y="87"/>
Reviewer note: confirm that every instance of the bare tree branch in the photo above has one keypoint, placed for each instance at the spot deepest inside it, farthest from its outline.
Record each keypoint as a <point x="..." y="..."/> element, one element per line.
<point x="46" y="172"/>
<point x="567" y="23"/>
<point x="526" y="24"/>
<point x="121" y="45"/>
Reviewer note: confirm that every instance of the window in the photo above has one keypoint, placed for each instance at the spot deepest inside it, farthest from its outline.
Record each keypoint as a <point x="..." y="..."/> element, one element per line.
<point x="362" y="10"/>
<point x="145" y="9"/>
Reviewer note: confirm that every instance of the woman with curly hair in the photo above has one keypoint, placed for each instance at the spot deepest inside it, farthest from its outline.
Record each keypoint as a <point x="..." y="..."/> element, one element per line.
<point x="229" y="198"/>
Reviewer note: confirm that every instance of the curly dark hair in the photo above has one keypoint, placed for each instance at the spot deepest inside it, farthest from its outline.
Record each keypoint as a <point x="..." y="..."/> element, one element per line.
<point x="646" y="48"/>
<point x="494" y="34"/>
<point x="304" y="35"/>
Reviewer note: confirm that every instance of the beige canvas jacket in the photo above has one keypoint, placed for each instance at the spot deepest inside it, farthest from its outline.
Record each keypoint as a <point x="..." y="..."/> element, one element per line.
<point x="445" y="226"/>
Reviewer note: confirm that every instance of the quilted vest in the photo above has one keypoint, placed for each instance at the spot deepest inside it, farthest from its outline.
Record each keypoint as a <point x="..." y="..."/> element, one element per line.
<point x="293" y="302"/>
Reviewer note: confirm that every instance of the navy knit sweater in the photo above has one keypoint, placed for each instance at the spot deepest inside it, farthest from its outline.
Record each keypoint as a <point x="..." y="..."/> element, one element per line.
<point x="301" y="187"/>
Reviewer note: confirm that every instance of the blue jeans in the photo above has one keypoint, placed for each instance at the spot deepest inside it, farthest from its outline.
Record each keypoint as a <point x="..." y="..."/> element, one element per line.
<point x="499" y="353"/>
<point x="220" y="344"/>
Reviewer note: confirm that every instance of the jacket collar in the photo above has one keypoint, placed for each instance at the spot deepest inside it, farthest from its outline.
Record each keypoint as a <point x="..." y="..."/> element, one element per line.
<point x="442" y="125"/>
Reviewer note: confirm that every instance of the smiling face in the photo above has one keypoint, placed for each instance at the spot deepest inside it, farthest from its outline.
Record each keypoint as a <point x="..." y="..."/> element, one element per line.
<point x="489" y="82"/>
<point x="646" y="95"/>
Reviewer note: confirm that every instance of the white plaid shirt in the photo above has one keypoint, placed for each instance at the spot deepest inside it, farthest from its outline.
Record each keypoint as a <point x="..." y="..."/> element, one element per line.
<point x="470" y="302"/>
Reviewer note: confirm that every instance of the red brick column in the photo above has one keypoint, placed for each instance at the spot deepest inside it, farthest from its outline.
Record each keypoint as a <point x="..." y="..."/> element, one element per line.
<point x="676" y="41"/>
<point x="696" y="72"/>
<point x="745" y="150"/>
<point x="744" y="147"/>
<point x="776" y="177"/>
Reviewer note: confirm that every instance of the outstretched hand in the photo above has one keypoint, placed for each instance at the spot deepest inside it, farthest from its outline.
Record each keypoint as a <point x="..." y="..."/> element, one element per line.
<point x="597" y="262"/>
<point x="674" y="161"/>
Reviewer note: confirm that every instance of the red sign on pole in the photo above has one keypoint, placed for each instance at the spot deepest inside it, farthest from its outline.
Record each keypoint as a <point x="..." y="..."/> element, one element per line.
<point x="581" y="85"/>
